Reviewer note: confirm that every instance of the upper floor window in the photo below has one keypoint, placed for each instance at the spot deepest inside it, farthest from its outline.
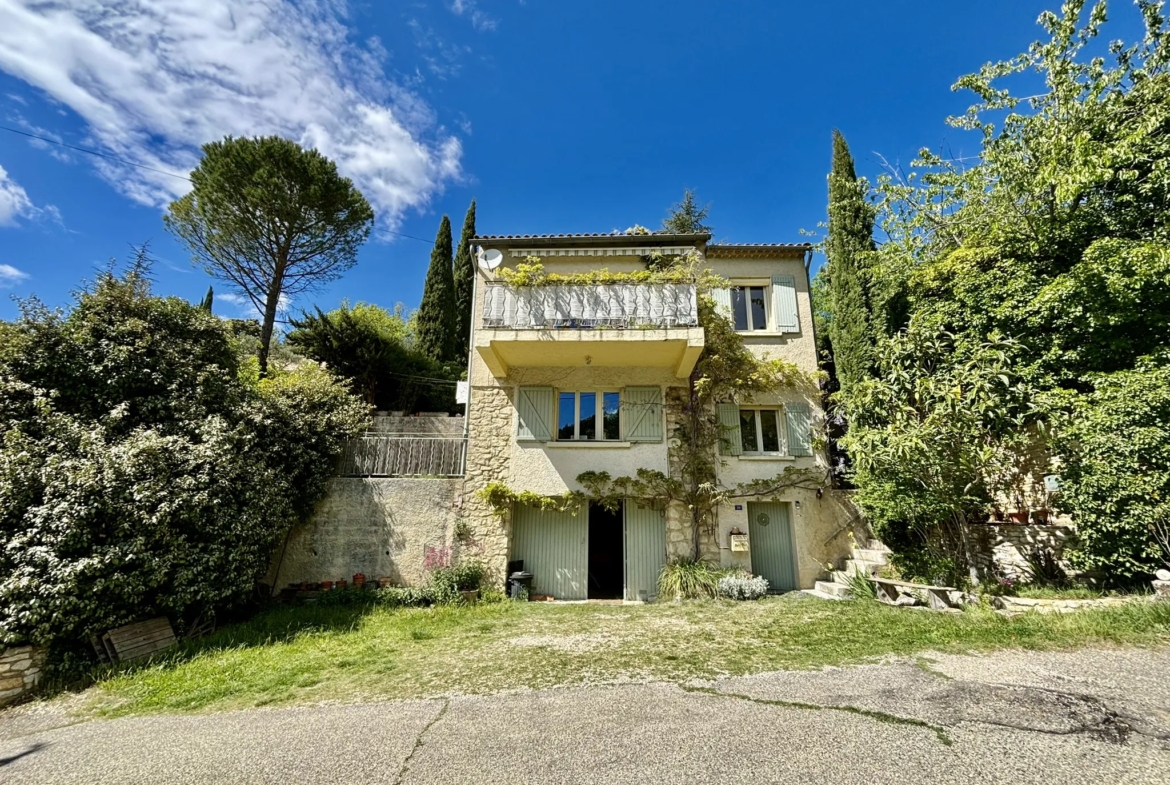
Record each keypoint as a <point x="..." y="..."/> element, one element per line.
<point x="762" y="431"/>
<point x="589" y="416"/>
<point x="749" y="307"/>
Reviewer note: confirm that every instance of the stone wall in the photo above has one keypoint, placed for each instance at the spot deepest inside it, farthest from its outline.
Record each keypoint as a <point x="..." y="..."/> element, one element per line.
<point x="382" y="527"/>
<point x="20" y="671"/>
<point x="1002" y="550"/>
<point x="489" y="451"/>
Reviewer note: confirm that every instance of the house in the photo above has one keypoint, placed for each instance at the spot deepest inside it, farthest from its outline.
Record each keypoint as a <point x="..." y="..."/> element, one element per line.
<point x="569" y="379"/>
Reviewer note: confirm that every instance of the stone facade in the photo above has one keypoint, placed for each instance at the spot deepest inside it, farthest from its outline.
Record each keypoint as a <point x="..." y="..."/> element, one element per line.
<point x="489" y="450"/>
<point x="1002" y="550"/>
<point x="20" y="672"/>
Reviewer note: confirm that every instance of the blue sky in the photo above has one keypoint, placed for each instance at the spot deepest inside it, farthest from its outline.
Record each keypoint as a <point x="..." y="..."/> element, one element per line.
<point x="556" y="116"/>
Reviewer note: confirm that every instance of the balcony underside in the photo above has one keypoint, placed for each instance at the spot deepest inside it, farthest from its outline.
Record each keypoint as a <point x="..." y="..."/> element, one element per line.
<point x="677" y="348"/>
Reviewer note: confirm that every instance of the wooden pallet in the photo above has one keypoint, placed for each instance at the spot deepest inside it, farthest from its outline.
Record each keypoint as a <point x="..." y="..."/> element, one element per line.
<point x="891" y="592"/>
<point x="135" y="641"/>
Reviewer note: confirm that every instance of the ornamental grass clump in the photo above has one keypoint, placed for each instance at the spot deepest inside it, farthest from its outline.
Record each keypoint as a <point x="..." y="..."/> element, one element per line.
<point x="688" y="579"/>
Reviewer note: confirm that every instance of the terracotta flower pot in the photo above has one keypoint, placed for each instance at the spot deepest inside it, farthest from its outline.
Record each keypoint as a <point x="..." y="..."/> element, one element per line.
<point x="1018" y="517"/>
<point x="470" y="597"/>
<point x="1040" y="516"/>
<point x="385" y="582"/>
<point x="359" y="579"/>
<point x="326" y="585"/>
<point x="342" y="584"/>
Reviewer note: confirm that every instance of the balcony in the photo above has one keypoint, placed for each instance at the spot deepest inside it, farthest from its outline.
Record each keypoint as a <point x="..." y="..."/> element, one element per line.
<point x="605" y="325"/>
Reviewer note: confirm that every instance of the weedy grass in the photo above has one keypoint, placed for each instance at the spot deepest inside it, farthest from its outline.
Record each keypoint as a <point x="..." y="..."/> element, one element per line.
<point x="309" y="654"/>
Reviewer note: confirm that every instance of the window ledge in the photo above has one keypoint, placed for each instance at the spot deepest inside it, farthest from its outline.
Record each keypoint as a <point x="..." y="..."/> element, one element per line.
<point x="589" y="445"/>
<point x="767" y="457"/>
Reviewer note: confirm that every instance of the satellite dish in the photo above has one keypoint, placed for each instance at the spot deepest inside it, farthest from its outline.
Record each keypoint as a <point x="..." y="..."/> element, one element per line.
<point x="490" y="259"/>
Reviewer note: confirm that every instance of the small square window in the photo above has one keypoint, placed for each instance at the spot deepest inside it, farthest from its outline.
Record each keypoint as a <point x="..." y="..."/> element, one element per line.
<point x="761" y="432"/>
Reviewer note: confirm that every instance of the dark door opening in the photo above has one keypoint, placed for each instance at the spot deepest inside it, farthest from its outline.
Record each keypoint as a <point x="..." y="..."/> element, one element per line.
<point x="606" y="559"/>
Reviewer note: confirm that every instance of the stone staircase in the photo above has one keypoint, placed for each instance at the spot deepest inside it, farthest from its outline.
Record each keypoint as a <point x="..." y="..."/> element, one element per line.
<point x="867" y="560"/>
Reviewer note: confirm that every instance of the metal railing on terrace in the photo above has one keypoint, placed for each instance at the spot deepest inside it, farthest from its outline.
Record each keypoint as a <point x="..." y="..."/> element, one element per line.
<point x="590" y="306"/>
<point x="403" y="456"/>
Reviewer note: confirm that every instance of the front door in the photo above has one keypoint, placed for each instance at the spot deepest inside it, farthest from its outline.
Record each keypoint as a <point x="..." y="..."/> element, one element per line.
<point x="770" y="541"/>
<point x="606" y="553"/>
<point x="645" y="551"/>
<point x="554" y="547"/>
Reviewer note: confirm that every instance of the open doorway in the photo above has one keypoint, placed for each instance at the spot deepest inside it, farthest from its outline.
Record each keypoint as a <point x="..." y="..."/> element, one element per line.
<point x="606" y="557"/>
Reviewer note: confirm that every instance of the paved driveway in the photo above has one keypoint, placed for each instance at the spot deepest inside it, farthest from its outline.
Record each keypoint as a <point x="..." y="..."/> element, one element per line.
<point x="1089" y="716"/>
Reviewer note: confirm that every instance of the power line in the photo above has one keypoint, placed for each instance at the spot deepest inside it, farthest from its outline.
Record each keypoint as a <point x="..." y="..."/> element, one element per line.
<point x="151" y="168"/>
<point x="422" y="378"/>
<point x="95" y="152"/>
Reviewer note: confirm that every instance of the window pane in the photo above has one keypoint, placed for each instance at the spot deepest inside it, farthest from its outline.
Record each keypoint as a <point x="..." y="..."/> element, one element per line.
<point x="759" y="314"/>
<point x="566" y="415"/>
<point x="739" y="307"/>
<point x="588" y="416"/>
<point x="771" y="434"/>
<point x="612" y="404"/>
<point x="747" y="430"/>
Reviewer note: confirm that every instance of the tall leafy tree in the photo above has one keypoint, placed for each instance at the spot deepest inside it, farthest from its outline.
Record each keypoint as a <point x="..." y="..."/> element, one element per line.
<point x="272" y="219"/>
<point x="687" y="217"/>
<point x="436" y="314"/>
<point x="848" y="246"/>
<point x="464" y="283"/>
<point x="207" y="300"/>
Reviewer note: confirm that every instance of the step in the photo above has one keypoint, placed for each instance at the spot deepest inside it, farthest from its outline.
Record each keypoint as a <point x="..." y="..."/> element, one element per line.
<point x="865" y="567"/>
<point x="841" y="576"/>
<point x="872" y="556"/>
<point x="838" y="590"/>
<point x="876" y="545"/>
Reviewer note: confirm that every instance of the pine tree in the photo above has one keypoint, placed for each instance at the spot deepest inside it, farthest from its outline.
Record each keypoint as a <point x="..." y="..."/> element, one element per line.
<point x="686" y="217"/>
<point x="464" y="274"/>
<point x="205" y="303"/>
<point x="848" y="245"/>
<point x="436" y="314"/>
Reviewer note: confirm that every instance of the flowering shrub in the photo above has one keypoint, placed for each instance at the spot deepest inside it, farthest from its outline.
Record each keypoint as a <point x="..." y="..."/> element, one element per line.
<point x="141" y="472"/>
<point x="743" y="587"/>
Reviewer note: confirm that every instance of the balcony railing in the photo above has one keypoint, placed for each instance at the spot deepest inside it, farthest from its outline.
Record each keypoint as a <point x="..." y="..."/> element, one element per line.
<point x="403" y="456"/>
<point x="590" y="306"/>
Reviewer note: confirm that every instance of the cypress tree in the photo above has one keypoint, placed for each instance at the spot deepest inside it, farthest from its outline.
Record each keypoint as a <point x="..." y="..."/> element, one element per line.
<point x="436" y="314"/>
<point x="464" y="279"/>
<point x="205" y="304"/>
<point x="848" y="245"/>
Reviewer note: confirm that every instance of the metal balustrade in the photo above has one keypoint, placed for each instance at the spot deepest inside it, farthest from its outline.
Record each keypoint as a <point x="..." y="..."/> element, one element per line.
<point x="403" y="456"/>
<point x="590" y="306"/>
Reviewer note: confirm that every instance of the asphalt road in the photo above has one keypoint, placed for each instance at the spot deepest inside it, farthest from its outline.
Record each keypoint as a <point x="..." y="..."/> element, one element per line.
<point x="1078" y="717"/>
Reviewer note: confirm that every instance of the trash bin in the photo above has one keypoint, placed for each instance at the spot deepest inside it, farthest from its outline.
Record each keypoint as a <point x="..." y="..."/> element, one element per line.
<point x="519" y="585"/>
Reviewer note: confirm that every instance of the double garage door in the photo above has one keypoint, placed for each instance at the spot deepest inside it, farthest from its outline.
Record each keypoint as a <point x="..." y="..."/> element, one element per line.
<point x="594" y="554"/>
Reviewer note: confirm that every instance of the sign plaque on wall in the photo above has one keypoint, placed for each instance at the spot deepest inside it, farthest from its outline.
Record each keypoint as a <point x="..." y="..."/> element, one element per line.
<point x="739" y="542"/>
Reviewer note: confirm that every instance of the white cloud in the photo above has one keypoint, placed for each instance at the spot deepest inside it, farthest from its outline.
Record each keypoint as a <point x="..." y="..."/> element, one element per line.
<point x="245" y="309"/>
<point x="479" y="20"/>
<point x="10" y="276"/>
<point x="154" y="79"/>
<point x="14" y="203"/>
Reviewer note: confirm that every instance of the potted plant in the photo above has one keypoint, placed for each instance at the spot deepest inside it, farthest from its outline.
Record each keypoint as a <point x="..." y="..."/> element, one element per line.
<point x="468" y="577"/>
<point x="997" y="514"/>
<point x="359" y="579"/>
<point x="326" y="585"/>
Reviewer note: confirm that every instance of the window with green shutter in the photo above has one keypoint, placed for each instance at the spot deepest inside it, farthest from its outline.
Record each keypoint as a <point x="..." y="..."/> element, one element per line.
<point x="534" y="413"/>
<point x="722" y="299"/>
<point x="799" y="428"/>
<point x="642" y="410"/>
<point x="731" y="442"/>
<point x="784" y="304"/>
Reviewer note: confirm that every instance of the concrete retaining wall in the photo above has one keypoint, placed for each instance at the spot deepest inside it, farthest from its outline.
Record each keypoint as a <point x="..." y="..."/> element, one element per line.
<point x="20" y="671"/>
<point x="382" y="527"/>
<point x="422" y="424"/>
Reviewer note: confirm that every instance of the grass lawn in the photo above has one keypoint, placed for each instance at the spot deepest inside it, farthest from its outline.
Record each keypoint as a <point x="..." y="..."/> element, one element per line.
<point x="308" y="654"/>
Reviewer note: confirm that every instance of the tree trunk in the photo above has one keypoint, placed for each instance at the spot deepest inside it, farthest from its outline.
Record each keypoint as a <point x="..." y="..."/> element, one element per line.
<point x="270" y="318"/>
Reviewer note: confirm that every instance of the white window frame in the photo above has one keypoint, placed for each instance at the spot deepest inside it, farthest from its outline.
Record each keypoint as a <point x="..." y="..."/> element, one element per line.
<point x="600" y="414"/>
<point x="769" y="317"/>
<point x="781" y="429"/>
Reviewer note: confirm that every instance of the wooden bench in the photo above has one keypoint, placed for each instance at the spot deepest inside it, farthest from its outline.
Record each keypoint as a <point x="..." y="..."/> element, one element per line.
<point x="889" y="591"/>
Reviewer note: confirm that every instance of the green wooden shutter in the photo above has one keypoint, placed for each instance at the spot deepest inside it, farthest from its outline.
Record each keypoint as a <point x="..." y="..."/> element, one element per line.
<point x="799" y="428"/>
<point x="642" y="413"/>
<point x="534" y="407"/>
<point x="732" y="442"/>
<point x="723" y="303"/>
<point x="784" y="304"/>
